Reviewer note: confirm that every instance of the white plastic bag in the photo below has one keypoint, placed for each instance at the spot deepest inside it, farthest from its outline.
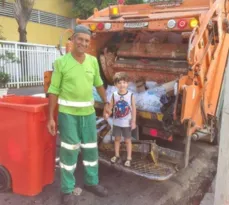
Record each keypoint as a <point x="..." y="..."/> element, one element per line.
<point x="110" y="90"/>
<point x="146" y="102"/>
<point x="151" y="84"/>
<point x="132" y="87"/>
<point x="96" y="95"/>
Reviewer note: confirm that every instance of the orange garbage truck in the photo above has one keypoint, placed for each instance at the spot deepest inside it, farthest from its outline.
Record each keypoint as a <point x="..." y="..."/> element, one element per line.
<point x="175" y="53"/>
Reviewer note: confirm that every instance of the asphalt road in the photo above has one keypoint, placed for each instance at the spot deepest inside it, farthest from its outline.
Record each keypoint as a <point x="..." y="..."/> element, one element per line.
<point x="26" y="91"/>
<point x="186" y="187"/>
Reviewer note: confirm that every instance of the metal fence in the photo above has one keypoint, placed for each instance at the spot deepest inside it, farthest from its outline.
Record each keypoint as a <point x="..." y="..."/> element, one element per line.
<point x="34" y="59"/>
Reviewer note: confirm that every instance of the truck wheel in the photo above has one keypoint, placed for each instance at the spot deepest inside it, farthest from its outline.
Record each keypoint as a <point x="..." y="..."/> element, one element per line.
<point x="5" y="179"/>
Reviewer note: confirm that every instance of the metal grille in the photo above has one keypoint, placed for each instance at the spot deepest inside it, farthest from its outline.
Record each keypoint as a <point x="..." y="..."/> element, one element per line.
<point x="34" y="17"/>
<point x="47" y="18"/>
<point x="7" y="10"/>
<point x="34" y="59"/>
<point x="141" y="165"/>
<point x="38" y="16"/>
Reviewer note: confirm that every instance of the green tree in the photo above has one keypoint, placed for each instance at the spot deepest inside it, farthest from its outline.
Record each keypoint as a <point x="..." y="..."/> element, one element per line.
<point x="1" y="33"/>
<point x="84" y="8"/>
<point x="6" y="58"/>
<point x="22" y="12"/>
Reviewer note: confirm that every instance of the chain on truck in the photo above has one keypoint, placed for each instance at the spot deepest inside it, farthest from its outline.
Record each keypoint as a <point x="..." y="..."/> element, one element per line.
<point x="180" y="45"/>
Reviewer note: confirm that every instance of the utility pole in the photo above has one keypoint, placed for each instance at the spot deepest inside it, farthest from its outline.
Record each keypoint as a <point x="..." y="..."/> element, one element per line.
<point x="222" y="178"/>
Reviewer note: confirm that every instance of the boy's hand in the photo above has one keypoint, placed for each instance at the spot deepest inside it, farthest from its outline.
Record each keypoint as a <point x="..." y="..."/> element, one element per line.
<point x="133" y="125"/>
<point x="106" y="116"/>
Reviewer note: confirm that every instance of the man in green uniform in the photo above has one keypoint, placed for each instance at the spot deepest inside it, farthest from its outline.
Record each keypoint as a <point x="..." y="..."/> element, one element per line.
<point x="71" y="87"/>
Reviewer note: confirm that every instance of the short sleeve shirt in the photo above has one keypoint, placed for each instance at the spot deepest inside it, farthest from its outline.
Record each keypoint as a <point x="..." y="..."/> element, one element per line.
<point x="74" y="82"/>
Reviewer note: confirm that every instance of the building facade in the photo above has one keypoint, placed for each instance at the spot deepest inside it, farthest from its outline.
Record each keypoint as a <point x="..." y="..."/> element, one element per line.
<point x="48" y="20"/>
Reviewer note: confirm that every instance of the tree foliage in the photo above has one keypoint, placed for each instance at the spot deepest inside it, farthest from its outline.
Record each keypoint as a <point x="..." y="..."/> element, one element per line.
<point x="84" y="8"/>
<point x="1" y="33"/>
<point x="22" y="12"/>
<point x="6" y="58"/>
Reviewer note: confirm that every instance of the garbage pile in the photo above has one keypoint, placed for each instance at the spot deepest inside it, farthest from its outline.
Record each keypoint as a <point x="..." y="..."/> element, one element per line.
<point x="149" y="96"/>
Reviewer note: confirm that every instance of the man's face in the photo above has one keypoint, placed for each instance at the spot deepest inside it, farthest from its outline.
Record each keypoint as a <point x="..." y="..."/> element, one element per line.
<point x="81" y="42"/>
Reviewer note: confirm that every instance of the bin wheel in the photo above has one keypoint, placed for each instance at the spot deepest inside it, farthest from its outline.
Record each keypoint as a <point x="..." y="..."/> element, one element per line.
<point x="5" y="179"/>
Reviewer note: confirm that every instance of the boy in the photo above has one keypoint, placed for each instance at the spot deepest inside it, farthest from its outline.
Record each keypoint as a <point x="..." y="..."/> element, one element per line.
<point x="124" y="116"/>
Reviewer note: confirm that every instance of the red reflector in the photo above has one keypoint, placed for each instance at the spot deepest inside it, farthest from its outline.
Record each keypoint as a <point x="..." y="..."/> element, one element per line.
<point x="121" y="1"/>
<point x="100" y="26"/>
<point x="182" y="23"/>
<point x="153" y="132"/>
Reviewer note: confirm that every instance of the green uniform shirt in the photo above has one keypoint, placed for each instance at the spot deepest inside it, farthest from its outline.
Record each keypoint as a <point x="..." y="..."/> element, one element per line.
<point x="74" y="82"/>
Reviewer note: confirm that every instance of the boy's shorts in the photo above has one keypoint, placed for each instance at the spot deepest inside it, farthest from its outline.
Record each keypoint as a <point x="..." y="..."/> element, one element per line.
<point x="121" y="132"/>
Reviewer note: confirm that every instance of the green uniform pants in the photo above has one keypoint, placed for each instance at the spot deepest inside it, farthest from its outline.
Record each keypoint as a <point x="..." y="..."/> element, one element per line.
<point x="78" y="132"/>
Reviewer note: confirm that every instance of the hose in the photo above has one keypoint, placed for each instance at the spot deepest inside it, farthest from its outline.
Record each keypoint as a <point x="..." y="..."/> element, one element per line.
<point x="62" y="35"/>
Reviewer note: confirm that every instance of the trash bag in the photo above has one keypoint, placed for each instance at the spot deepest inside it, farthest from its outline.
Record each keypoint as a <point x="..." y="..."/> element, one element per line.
<point x="96" y="96"/>
<point x="150" y="100"/>
<point x="110" y="90"/>
<point x="157" y="91"/>
<point x="151" y="84"/>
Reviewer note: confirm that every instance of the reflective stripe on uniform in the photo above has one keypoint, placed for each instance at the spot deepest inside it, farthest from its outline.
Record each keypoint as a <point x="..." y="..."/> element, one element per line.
<point x="89" y="145"/>
<point x="70" y="146"/>
<point x="91" y="164"/>
<point x="75" y="104"/>
<point x="67" y="167"/>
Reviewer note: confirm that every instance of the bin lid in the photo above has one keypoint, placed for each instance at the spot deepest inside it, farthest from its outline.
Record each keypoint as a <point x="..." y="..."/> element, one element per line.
<point x="24" y="103"/>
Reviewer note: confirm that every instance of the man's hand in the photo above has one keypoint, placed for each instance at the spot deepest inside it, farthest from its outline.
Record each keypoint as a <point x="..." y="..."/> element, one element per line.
<point x="52" y="127"/>
<point x="52" y="105"/>
<point x="106" y="111"/>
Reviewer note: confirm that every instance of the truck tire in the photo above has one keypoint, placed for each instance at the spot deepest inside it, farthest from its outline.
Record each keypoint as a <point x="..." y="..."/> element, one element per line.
<point x="5" y="179"/>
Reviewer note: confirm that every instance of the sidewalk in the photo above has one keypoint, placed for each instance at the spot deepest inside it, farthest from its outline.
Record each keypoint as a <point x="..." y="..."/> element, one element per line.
<point x="27" y="90"/>
<point x="209" y="196"/>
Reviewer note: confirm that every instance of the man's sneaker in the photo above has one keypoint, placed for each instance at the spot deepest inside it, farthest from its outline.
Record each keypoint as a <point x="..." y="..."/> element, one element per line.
<point x="69" y="199"/>
<point x="97" y="190"/>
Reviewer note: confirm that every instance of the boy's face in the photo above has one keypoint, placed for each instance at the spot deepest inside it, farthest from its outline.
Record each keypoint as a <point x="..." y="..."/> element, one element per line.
<point x="122" y="85"/>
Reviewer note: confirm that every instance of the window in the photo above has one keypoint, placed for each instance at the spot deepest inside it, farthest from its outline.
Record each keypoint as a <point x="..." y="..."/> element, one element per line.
<point x="38" y="16"/>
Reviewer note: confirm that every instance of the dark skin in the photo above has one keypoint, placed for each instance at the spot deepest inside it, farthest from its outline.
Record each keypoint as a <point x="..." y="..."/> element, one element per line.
<point x="81" y="43"/>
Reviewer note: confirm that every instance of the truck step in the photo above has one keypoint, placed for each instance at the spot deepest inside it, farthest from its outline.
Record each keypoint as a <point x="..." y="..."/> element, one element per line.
<point x="141" y="166"/>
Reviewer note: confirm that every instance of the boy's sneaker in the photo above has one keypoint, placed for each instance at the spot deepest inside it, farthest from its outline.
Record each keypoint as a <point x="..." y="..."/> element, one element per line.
<point x="127" y="163"/>
<point x="69" y="199"/>
<point x="97" y="190"/>
<point x="115" y="160"/>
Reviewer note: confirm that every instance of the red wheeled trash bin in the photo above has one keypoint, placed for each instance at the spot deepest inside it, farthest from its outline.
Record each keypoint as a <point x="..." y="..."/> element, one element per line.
<point x="27" y="150"/>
